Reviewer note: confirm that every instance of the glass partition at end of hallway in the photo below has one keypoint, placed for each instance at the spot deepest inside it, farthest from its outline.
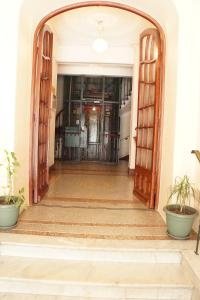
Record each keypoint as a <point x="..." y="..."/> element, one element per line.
<point x="88" y="125"/>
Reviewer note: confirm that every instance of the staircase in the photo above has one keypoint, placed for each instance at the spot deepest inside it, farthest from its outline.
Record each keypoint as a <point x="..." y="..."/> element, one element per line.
<point x="59" y="134"/>
<point x="56" y="268"/>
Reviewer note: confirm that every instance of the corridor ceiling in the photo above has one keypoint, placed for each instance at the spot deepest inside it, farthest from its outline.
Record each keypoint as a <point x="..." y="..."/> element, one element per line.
<point x="78" y="27"/>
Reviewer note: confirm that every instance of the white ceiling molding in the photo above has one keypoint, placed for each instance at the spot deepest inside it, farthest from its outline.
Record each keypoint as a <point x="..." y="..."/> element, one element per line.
<point x="95" y="69"/>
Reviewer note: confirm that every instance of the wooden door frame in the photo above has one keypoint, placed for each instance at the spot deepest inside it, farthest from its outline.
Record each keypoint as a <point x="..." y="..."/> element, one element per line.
<point x="156" y="104"/>
<point x="34" y="85"/>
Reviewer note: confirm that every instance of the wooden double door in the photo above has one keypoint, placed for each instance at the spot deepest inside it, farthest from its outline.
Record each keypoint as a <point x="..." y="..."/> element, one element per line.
<point x="146" y="166"/>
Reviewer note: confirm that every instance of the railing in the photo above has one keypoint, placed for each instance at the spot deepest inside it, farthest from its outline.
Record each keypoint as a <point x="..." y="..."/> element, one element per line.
<point x="125" y="90"/>
<point x="59" y="134"/>
<point x="125" y="138"/>
<point x="59" y="121"/>
<point x="197" y="153"/>
<point x="110" y="147"/>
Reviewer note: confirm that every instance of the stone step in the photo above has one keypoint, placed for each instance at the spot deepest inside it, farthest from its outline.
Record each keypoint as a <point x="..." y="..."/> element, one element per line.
<point x="94" y="279"/>
<point x="93" y="215"/>
<point x="89" y="253"/>
<point x="19" y="296"/>
<point x="92" y="230"/>
<point x="92" y="204"/>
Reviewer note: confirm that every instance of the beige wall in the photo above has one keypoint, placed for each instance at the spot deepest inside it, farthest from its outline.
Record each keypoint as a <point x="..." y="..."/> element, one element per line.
<point x="181" y="101"/>
<point x="124" y="132"/>
<point x="8" y="62"/>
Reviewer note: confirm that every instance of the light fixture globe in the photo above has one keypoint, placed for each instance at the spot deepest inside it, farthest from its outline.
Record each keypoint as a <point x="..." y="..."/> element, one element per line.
<point x="100" y="45"/>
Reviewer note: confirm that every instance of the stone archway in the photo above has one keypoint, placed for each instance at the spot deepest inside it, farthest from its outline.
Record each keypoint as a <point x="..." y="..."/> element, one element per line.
<point x="34" y="133"/>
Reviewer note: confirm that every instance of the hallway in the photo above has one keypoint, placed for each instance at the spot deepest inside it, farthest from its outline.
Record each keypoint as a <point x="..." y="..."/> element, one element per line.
<point x="92" y="201"/>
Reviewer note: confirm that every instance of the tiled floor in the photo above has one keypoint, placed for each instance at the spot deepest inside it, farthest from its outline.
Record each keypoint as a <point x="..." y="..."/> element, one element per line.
<point x="92" y="201"/>
<point x="91" y="181"/>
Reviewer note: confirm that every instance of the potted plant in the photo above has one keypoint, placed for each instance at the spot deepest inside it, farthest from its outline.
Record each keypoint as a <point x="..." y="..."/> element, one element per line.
<point x="179" y="214"/>
<point x="10" y="203"/>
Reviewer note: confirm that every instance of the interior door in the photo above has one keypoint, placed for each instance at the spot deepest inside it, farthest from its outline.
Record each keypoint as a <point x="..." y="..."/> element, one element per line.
<point x="41" y="112"/>
<point x="147" y="117"/>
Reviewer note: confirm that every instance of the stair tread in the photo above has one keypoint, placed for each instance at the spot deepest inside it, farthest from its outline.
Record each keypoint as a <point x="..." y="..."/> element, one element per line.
<point x="97" y="273"/>
<point x="92" y="230"/>
<point x="128" y="245"/>
<point x="17" y="296"/>
<point x="95" y="222"/>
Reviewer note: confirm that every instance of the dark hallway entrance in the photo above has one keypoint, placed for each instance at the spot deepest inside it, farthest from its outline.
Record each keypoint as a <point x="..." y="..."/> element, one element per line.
<point x="88" y="125"/>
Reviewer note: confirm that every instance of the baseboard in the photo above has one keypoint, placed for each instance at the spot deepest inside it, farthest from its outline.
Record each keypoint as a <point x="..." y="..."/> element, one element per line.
<point x="52" y="167"/>
<point x="131" y="172"/>
<point x="126" y="157"/>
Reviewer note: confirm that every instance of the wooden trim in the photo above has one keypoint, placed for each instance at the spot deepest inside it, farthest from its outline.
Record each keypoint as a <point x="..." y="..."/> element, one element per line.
<point x="131" y="172"/>
<point x="146" y="177"/>
<point x="39" y="27"/>
<point x="38" y="63"/>
<point x="156" y="129"/>
<point x="99" y="3"/>
<point x="126" y="157"/>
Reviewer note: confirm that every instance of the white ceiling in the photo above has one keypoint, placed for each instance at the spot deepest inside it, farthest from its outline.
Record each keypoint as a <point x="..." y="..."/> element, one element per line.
<point x="78" y="27"/>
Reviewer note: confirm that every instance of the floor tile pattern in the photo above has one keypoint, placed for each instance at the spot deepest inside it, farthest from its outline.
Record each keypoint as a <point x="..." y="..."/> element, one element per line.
<point x="90" y="200"/>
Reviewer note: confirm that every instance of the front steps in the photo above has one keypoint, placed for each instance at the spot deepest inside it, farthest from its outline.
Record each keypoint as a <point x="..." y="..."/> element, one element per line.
<point x="91" y="254"/>
<point x="93" y="219"/>
<point x="10" y="296"/>
<point x="58" y="269"/>
<point x="94" y="279"/>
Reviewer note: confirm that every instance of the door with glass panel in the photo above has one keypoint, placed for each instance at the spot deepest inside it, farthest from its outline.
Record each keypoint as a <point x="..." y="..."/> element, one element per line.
<point x="42" y="109"/>
<point x="147" y="118"/>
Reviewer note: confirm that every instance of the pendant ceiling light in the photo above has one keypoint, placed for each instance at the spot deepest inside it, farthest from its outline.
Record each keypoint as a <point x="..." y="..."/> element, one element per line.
<point x="100" y="44"/>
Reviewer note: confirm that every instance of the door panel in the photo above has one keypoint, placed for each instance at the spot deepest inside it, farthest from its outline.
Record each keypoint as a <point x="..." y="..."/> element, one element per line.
<point x="147" y="122"/>
<point x="42" y="105"/>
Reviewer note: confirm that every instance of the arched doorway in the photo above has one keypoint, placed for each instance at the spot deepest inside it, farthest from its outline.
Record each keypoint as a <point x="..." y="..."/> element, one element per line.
<point x="147" y="185"/>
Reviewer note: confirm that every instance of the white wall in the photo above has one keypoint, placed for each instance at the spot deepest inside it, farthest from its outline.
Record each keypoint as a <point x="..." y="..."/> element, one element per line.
<point x="96" y="69"/>
<point x="124" y="133"/>
<point x="187" y="108"/>
<point x="113" y="55"/>
<point x="23" y="69"/>
<point x="8" y="62"/>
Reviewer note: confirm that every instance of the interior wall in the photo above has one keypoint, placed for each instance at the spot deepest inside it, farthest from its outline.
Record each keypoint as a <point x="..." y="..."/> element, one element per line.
<point x="23" y="72"/>
<point x="8" y="75"/>
<point x="124" y="133"/>
<point x="187" y="107"/>
<point x="116" y="69"/>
